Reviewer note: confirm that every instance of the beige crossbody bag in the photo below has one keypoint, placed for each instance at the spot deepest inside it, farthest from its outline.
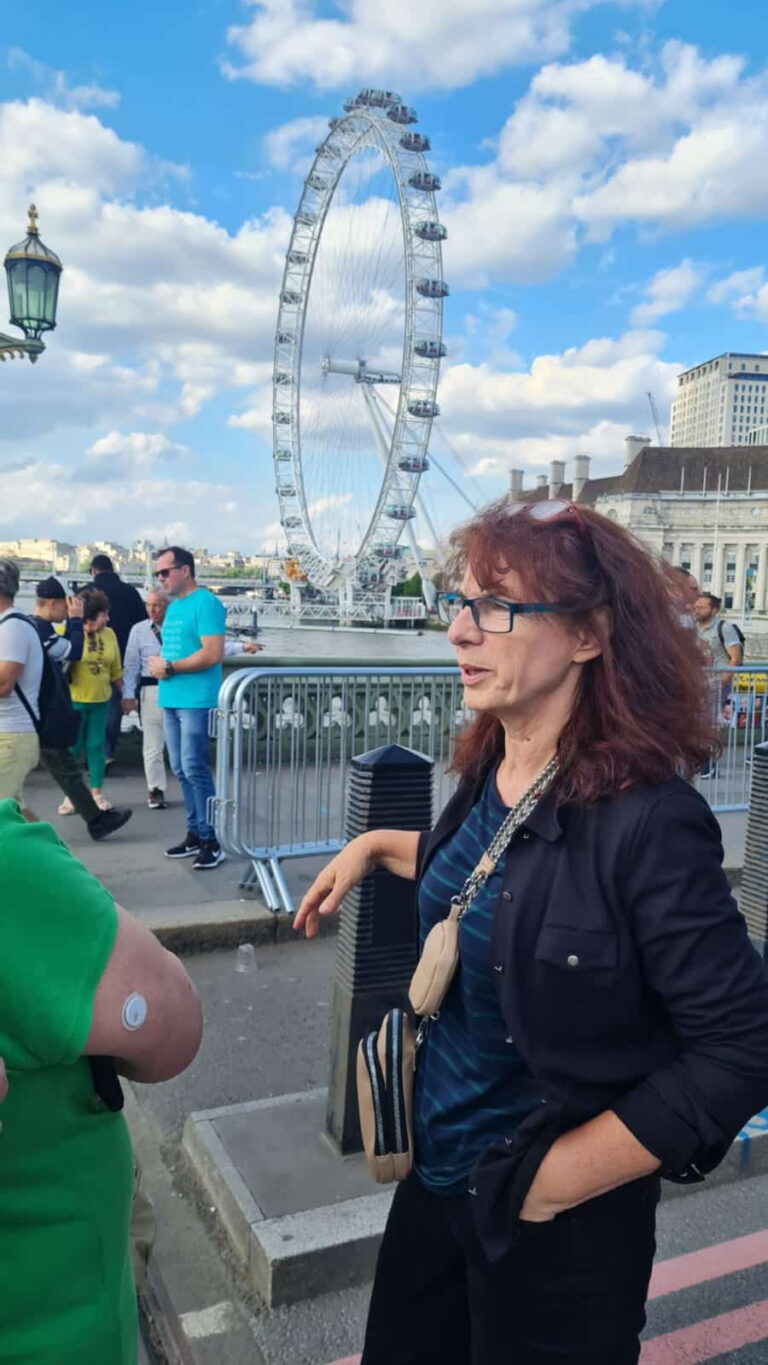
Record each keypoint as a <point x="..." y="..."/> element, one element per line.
<point x="386" y="1058"/>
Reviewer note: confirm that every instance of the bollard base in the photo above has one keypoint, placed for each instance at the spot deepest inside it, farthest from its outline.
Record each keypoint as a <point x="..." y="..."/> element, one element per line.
<point x="301" y="1218"/>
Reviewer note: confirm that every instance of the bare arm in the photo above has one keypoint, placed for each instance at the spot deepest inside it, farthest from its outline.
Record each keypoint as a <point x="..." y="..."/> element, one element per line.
<point x="735" y="655"/>
<point x="9" y="676"/>
<point x="393" y="849"/>
<point x="168" y="1040"/>
<point x="210" y="654"/>
<point x="587" y="1162"/>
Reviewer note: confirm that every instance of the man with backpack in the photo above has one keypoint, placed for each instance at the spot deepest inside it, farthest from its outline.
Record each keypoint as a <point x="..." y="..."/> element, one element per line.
<point x="725" y="643"/>
<point x="53" y="608"/>
<point x="724" y="639"/>
<point x="21" y="671"/>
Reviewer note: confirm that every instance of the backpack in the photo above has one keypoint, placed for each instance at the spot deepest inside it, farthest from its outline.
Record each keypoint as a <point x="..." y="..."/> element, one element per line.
<point x="738" y="630"/>
<point x="59" y="723"/>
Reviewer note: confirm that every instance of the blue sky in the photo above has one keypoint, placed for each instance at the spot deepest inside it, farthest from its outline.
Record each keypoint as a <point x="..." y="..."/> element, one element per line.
<point x="604" y="192"/>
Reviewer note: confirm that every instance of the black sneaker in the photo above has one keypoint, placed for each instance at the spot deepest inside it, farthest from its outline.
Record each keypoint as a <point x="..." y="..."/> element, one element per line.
<point x="156" y="799"/>
<point x="107" y="821"/>
<point x="210" y="856"/>
<point x="189" y="849"/>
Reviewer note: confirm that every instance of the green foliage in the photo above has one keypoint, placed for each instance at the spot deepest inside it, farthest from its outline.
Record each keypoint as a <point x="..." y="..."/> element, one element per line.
<point x="410" y="588"/>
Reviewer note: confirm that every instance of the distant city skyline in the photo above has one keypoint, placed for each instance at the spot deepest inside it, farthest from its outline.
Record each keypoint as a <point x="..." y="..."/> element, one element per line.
<point x="605" y="233"/>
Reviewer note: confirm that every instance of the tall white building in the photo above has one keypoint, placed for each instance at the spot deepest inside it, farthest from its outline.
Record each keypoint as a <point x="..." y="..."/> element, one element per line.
<point x="720" y="402"/>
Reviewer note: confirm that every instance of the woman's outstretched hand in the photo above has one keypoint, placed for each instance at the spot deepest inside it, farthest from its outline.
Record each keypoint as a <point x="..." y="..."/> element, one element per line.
<point x="331" y="886"/>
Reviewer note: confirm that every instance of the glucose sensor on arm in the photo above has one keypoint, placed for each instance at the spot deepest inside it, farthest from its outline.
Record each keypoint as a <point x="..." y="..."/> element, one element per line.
<point x="134" y="1012"/>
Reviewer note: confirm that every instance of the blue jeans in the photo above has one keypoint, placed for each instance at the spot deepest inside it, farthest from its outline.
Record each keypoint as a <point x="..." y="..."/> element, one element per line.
<point x="186" y="734"/>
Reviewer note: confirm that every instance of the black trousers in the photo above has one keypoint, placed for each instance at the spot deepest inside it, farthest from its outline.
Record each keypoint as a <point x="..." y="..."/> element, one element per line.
<point x="66" y="772"/>
<point x="572" y="1291"/>
<point x="114" y="721"/>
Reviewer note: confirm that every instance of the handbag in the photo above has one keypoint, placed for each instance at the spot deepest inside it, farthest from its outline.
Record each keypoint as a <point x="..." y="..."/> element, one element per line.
<point x="386" y="1057"/>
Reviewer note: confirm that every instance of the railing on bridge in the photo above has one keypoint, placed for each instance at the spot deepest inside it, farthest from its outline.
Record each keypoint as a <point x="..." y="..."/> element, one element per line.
<point x="285" y="737"/>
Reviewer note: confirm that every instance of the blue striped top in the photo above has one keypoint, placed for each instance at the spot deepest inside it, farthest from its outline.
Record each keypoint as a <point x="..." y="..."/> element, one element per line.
<point x="472" y="1086"/>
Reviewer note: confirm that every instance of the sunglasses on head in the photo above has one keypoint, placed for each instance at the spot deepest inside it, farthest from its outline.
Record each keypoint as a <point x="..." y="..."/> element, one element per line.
<point x="548" y="509"/>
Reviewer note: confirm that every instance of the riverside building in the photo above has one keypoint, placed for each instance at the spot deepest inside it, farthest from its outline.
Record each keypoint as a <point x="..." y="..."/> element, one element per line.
<point x="705" y="509"/>
<point x="721" y="402"/>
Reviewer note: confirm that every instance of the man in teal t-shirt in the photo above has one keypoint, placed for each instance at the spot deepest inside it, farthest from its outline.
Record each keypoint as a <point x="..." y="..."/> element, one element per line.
<point x="188" y="670"/>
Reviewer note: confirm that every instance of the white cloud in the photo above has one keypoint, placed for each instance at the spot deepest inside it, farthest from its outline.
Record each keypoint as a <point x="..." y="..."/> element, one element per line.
<point x="56" y="86"/>
<point x="283" y="145"/>
<point x="188" y="307"/>
<point x="422" y="46"/>
<point x="127" y="452"/>
<point x="328" y="503"/>
<point x="75" y="503"/>
<point x="585" y="399"/>
<point x="597" y="144"/>
<point x="603" y="442"/>
<point x="745" y="292"/>
<point x="668" y="292"/>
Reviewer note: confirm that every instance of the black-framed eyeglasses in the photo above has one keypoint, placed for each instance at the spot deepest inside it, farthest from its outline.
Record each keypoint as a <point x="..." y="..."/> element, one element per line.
<point x="494" y="615"/>
<point x="163" y="573"/>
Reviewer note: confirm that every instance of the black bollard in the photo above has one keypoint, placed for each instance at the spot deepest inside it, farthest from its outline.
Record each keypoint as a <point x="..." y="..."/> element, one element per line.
<point x="390" y="788"/>
<point x="753" y="895"/>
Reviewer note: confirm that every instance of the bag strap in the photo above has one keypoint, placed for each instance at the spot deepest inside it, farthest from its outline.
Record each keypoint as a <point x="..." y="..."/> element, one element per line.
<point x="501" y="840"/>
<point x="19" y="616"/>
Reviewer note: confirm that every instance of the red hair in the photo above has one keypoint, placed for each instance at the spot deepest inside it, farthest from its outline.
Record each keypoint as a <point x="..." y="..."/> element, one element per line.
<point x="643" y="710"/>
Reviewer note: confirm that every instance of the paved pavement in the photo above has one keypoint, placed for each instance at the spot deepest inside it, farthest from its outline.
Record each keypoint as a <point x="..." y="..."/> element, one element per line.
<point x="131" y="862"/>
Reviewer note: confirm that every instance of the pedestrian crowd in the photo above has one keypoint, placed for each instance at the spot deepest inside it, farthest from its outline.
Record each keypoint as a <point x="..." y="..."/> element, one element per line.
<point x="592" y="1016"/>
<point x="82" y="661"/>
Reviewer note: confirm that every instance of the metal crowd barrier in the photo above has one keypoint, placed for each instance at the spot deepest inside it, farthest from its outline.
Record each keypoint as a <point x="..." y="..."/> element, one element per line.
<point x="739" y="701"/>
<point x="285" y="737"/>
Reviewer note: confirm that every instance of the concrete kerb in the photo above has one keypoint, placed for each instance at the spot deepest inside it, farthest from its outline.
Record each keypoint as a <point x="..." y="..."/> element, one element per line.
<point x="225" y="924"/>
<point x="333" y="1245"/>
<point x="222" y="924"/>
<point x="304" y="1251"/>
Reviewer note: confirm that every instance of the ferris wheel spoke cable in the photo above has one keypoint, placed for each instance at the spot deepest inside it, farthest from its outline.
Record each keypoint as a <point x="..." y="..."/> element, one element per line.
<point x="349" y="302"/>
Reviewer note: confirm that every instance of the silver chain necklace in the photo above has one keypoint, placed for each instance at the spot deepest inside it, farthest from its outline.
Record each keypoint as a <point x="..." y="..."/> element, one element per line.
<point x="516" y="817"/>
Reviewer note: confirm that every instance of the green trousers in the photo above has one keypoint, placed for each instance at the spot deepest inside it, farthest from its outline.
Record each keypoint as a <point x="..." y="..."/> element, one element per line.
<point x="93" y="738"/>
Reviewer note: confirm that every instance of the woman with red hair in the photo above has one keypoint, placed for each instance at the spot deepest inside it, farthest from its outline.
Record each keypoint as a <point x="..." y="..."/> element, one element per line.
<point x="608" y="1021"/>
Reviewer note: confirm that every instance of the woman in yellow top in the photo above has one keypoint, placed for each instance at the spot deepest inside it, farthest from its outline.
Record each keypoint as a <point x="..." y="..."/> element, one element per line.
<point x="90" y="683"/>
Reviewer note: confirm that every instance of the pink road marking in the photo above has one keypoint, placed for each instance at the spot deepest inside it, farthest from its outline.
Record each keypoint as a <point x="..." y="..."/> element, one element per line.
<point x="710" y="1338"/>
<point x="708" y="1264"/>
<point x="725" y="1333"/>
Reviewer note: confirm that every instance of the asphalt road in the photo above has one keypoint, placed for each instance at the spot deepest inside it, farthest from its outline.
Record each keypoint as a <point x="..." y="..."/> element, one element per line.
<point x="266" y="1031"/>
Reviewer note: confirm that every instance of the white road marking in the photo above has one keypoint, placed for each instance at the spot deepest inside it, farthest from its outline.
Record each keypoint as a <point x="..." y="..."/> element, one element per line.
<point x="209" y="1322"/>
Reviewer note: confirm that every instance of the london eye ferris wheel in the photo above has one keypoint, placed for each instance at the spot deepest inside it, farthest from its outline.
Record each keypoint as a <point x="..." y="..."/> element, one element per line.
<point x="358" y="346"/>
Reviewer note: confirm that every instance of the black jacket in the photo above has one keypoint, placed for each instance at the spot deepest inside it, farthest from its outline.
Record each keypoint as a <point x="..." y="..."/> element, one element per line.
<point x="125" y="605"/>
<point x="626" y="976"/>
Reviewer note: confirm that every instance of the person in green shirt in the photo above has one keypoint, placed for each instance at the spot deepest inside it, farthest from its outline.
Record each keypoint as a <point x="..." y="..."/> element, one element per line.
<point x="81" y="982"/>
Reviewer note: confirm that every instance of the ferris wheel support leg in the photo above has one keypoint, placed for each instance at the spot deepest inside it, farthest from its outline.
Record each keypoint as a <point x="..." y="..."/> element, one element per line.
<point x="382" y="445"/>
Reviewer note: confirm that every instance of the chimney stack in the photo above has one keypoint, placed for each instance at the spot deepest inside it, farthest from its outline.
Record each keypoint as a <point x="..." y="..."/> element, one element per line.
<point x="516" y="482"/>
<point x="580" y="475"/>
<point x="541" y="480"/>
<point x="632" y="447"/>
<point x="556" y="477"/>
